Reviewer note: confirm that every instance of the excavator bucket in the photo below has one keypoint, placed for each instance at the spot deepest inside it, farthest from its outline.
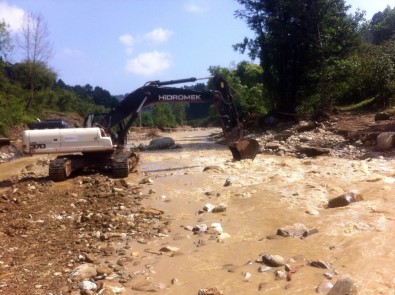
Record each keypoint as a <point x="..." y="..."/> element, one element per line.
<point x="244" y="148"/>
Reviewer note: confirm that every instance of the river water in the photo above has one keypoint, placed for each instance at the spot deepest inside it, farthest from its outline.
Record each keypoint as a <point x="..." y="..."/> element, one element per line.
<point x="267" y="194"/>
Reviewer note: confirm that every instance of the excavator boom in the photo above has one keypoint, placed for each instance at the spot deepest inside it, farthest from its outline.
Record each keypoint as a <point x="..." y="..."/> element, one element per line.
<point x="153" y="92"/>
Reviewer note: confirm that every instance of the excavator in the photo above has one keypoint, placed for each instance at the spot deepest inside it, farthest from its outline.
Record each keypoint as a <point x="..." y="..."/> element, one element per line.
<point x="102" y="143"/>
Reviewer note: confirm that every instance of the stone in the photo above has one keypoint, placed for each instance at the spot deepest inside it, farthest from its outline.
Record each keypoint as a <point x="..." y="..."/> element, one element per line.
<point x="304" y="126"/>
<point x="273" y="260"/>
<point x="345" y="200"/>
<point x="228" y="182"/>
<point x="87" y="285"/>
<point x="214" y="168"/>
<point x="161" y="143"/>
<point x="200" y="228"/>
<point x="344" y="286"/>
<point x="83" y="271"/>
<point x="324" y="287"/>
<point x="247" y="276"/>
<point x="208" y="207"/>
<point x="210" y="291"/>
<point x="217" y="227"/>
<point x="103" y="270"/>
<point x="169" y="249"/>
<point x="220" y="208"/>
<point x="313" y="151"/>
<point x="295" y="230"/>
<point x="382" y="116"/>
<point x="385" y="141"/>
<point x="320" y="264"/>
<point x="264" y="269"/>
<point x="280" y="274"/>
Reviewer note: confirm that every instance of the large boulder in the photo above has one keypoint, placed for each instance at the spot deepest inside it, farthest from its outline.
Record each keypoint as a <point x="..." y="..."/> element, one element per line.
<point x="385" y="141"/>
<point x="161" y="143"/>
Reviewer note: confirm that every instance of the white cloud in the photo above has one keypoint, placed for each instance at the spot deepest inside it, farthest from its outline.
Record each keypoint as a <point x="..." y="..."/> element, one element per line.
<point x="196" y="6"/>
<point x="127" y="40"/>
<point x="149" y="63"/>
<point x="12" y="15"/>
<point x="159" y="35"/>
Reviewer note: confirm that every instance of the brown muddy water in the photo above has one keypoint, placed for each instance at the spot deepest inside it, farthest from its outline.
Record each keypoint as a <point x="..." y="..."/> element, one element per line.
<point x="264" y="195"/>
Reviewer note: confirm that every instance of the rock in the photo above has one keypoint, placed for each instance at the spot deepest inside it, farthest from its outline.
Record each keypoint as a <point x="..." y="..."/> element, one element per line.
<point x="320" y="264"/>
<point x="222" y="236"/>
<point x="295" y="230"/>
<point x="228" y="182"/>
<point x="217" y="227"/>
<point x="344" y="286"/>
<point x="305" y="126"/>
<point x="324" y="287"/>
<point x="345" y="200"/>
<point x="385" y="141"/>
<point x="382" y="116"/>
<point x="210" y="291"/>
<point x="200" y="228"/>
<point x="161" y="143"/>
<point x="247" y="276"/>
<point x="87" y="285"/>
<point x="83" y="271"/>
<point x="264" y="269"/>
<point x="273" y="146"/>
<point x="273" y="260"/>
<point x="146" y="181"/>
<point x="280" y="274"/>
<point x="103" y="270"/>
<point x="169" y="249"/>
<point x="214" y="168"/>
<point x="208" y="207"/>
<point x="313" y="151"/>
<point x="220" y="208"/>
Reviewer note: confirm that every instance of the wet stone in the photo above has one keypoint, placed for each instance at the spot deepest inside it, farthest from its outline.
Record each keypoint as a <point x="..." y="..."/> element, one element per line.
<point x="324" y="287"/>
<point x="320" y="264"/>
<point x="273" y="260"/>
<point x="345" y="200"/>
<point x="83" y="271"/>
<point x="344" y="286"/>
<point x="200" y="228"/>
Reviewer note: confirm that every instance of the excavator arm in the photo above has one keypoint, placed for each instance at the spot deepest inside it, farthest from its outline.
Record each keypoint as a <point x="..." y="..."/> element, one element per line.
<point x="124" y="114"/>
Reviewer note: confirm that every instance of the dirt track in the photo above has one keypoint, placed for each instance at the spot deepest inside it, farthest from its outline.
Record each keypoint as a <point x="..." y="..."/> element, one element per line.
<point x="145" y="233"/>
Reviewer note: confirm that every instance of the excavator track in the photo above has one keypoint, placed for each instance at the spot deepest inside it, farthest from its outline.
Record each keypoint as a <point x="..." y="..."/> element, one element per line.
<point x="59" y="169"/>
<point x="123" y="163"/>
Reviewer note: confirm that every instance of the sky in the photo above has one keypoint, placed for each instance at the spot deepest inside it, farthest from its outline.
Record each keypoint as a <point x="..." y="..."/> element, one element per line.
<point x="119" y="45"/>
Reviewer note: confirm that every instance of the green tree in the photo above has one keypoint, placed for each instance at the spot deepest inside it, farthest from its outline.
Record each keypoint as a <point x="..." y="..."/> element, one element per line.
<point x="245" y="81"/>
<point x="163" y="116"/>
<point x="382" y="26"/>
<point x="179" y="112"/>
<point x="296" y="42"/>
<point x="5" y="42"/>
<point x="36" y="49"/>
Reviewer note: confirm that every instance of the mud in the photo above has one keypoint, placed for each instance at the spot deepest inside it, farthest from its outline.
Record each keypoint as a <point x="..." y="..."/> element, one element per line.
<point x="48" y="229"/>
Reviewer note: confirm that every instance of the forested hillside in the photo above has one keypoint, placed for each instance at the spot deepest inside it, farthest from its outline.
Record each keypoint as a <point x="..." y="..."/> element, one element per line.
<point x="307" y="56"/>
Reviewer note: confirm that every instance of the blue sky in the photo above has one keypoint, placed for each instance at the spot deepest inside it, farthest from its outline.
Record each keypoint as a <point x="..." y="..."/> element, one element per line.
<point x="121" y="44"/>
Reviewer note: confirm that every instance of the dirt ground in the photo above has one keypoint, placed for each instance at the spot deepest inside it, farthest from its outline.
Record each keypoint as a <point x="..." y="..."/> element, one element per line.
<point x="156" y="231"/>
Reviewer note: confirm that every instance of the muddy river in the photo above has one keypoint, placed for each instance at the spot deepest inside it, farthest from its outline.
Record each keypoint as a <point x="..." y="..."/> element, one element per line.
<point x="263" y="196"/>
